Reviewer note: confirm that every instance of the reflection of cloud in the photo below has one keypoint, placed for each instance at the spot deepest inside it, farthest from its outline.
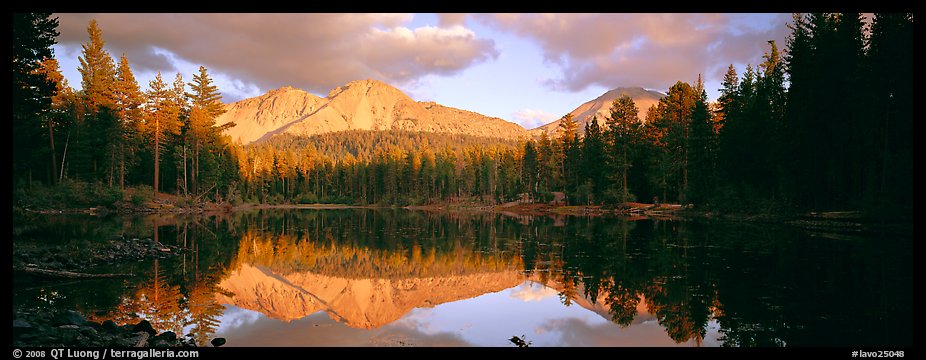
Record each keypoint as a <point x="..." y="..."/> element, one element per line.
<point x="530" y="291"/>
<point x="235" y="317"/>
<point x="578" y="332"/>
<point x="712" y="336"/>
<point x="319" y="330"/>
<point x="417" y="318"/>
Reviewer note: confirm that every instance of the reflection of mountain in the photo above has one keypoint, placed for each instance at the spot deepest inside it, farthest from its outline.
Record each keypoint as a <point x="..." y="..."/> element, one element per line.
<point x="371" y="303"/>
<point x="359" y="303"/>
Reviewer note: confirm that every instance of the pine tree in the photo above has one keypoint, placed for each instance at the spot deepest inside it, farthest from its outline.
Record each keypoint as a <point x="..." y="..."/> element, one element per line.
<point x="569" y="157"/>
<point x="33" y="36"/>
<point x="159" y="114"/>
<point x="529" y="167"/>
<point x="672" y="118"/>
<point x="49" y="69"/>
<point x="623" y="137"/>
<point x="205" y="106"/>
<point x="891" y="60"/>
<point x="593" y="157"/>
<point x="128" y="102"/>
<point x="97" y="70"/>
<point x="727" y="100"/>
<point x="766" y="126"/>
<point x="98" y="78"/>
<point x="701" y="162"/>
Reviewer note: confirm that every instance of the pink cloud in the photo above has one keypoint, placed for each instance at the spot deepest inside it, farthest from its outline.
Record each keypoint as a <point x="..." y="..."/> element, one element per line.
<point x="648" y="50"/>
<point x="315" y="52"/>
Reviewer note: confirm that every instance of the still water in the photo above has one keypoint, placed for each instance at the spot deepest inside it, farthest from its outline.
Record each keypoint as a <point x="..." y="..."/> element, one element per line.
<point x="364" y="277"/>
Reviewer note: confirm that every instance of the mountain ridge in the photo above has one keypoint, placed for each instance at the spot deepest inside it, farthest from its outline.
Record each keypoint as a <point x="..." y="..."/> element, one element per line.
<point x="601" y="106"/>
<point x="357" y="105"/>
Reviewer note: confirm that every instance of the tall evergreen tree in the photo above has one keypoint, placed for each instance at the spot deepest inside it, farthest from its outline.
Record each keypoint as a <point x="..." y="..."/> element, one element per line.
<point x="33" y="36"/>
<point x="159" y="115"/>
<point x="97" y="70"/>
<point x="671" y="123"/>
<point x="623" y="140"/>
<point x="891" y="60"/>
<point x="593" y="159"/>
<point x="701" y="155"/>
<point x="727" y="99"/>
<point x="569" y="157"/>
<point x="529" y="166"/>
<point x="101" y="133"/>
<point x="49" y="68"/>
<point x="205" y="107"/>
<point x="128" y="102"/>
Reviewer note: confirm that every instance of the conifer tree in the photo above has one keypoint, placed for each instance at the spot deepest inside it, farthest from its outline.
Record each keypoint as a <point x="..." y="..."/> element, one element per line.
<point x="159" y="114"/>
<point x="128" y="101"/>
<point x="32" y="37"/>
<point x="623" y="138"/>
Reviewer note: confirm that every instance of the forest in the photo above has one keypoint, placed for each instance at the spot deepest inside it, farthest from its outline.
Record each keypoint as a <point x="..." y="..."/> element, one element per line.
<point x="823" y="124"/>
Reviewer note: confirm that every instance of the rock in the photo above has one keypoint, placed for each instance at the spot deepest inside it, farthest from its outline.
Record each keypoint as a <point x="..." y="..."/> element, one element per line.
<point x="141" y="339"/>
<point x="109" y="325"/>
<point x="168" y="335"/>
<point x="69" y="327"/>
<point x="20" y="325"/>
<point x="69" y="317"/>
<point x="218" y="342"/>
<point x="144" y="326"/>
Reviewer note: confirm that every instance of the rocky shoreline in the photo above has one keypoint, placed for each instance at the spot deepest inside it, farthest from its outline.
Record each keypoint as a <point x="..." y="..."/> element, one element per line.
<point x="44" y="327"/>
<point x="68" y="328"/>
<point x="113" y="251"/>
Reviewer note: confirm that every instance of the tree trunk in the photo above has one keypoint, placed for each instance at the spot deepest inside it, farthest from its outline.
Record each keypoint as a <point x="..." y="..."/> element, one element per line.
<point x="195" y="177"/>
<point x="51" y="142"/>
<point x="122" y="168"/>
<point x="157" y="153"/>
<point x="64" y="156"/>
<point x="185" y="191"/>
<point x="112" y="164"/>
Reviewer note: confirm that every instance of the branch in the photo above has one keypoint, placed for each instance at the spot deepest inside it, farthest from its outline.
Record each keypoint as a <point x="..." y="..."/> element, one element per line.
<point x="70" y="275"/>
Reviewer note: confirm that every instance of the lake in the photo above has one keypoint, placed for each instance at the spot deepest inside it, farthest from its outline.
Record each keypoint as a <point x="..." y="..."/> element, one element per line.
<point x="384" y="277"/>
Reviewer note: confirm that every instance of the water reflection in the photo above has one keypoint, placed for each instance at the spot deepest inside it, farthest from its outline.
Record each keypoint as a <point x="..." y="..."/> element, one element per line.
<point x="402" y="278"/>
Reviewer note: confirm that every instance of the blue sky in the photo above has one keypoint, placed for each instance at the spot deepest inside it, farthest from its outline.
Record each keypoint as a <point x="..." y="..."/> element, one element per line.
<point x="526" y="68"/>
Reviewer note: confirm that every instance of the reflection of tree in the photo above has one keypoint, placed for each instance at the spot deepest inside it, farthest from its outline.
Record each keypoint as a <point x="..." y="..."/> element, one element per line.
<point x="569" y="290"/>
<point x="160" y="303"/>
<point x="623" y="305"/>
<point x="204" y="311"/>
<point x="290" y="253"/>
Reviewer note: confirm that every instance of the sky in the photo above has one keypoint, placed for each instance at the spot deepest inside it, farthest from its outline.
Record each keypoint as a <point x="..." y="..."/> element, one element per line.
<point x="526" y="68"/>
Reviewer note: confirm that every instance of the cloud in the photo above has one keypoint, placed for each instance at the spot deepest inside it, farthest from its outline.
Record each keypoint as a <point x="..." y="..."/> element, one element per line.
<point x="315" y="52"/>
<point x="530" y="118"/>
<point x="450" y="19"/>
<point x="648" y="50"/>
<point x="402" y="53"/>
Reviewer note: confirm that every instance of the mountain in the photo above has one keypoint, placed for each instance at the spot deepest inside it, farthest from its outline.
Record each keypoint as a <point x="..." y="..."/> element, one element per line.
<point x="601" y="107"/>
<point x="358" y="105"/>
